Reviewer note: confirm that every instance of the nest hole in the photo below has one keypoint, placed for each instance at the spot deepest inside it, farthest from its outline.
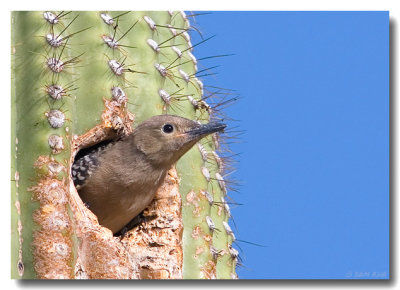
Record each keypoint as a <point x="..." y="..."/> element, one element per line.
<point x="86" y="145"/>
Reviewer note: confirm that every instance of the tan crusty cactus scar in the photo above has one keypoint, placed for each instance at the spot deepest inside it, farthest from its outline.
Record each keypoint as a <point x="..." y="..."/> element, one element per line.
<point x="81" y="78"/>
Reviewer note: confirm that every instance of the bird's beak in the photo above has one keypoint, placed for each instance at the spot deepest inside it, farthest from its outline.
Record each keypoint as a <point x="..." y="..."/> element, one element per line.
<point x="205" y="129"/>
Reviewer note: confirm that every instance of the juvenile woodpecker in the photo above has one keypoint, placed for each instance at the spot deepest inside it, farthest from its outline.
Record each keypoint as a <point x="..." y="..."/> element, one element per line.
<point x="119" y="180"/>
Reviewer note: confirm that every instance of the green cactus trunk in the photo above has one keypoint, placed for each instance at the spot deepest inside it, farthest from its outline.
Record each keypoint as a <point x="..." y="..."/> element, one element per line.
<point x="79" y="78"/>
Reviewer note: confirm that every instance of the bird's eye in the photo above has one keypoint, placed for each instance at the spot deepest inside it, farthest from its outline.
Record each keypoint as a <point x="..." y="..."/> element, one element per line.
<point x="168" y="128"/>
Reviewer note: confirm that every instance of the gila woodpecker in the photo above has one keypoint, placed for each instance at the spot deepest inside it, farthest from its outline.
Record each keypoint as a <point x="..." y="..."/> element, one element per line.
<point x="119" y="180"/>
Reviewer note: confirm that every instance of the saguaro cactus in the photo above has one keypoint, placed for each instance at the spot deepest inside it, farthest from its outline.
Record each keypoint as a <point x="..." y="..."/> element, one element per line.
<point x="80" y="78"/>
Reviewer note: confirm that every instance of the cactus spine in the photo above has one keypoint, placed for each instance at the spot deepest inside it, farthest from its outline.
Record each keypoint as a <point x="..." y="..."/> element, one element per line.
<point x="79" y="78"/>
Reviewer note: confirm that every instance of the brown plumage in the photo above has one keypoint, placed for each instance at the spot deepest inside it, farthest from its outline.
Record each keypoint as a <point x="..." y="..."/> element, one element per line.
<point x="119" y="180"/>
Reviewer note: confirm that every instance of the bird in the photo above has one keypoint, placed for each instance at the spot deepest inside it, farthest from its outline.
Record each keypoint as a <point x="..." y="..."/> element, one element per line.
<point x="118" y="180"/>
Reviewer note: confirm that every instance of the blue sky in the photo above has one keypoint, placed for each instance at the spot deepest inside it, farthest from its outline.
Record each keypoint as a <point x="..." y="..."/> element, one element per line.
<point x="314" y="163"/>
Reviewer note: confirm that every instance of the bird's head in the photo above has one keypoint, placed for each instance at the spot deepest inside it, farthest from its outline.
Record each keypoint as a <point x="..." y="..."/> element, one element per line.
<point x="165" y="138"/>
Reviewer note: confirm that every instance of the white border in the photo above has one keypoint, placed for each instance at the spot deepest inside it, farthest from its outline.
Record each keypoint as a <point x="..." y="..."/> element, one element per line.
<point x="392" y="6"/>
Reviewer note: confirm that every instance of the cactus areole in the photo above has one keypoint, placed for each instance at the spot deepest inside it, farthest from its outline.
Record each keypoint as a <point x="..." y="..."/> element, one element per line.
<point x="82" y="78"/>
